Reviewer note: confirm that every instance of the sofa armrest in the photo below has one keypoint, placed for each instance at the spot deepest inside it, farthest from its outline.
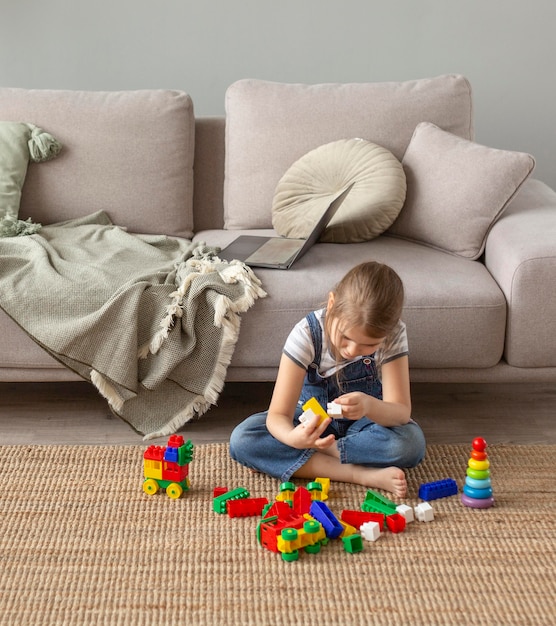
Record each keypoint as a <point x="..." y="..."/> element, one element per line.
<point x="520" y="254"/>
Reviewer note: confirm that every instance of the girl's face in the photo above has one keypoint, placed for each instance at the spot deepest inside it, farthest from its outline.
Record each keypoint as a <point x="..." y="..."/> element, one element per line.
<point x="352" y="342"/>
<point x="349" y="343"/>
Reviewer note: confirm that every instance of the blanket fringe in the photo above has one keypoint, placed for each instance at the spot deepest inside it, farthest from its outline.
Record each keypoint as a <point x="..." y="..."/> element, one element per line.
<point x="230" y="333"/>
<point x="230" y="273"/>
<point x="226" y="316"/>
<point x="198" y="407"/>
<point x="107" y="390"/>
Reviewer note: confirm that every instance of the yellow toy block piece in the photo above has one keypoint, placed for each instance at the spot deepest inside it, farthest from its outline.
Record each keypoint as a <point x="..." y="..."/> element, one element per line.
<point x="152" y="469"/>
<point x="313" y="405"/>
<point x="348" y="529"/>
<point x="325" y="482"/>
<point x="315" y="489"/>
<point x="292" y="539"/>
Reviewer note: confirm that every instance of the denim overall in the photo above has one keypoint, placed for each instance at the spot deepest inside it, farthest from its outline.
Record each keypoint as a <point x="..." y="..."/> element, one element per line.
<point x="362" y="441"/>
<point x="360" y="375"/>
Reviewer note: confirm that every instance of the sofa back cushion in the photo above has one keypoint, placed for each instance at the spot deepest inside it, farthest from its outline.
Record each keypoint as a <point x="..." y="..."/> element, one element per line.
<point x="270" y="125"/>
<point x="456" y="190"/>
<point x="129" y="153"/>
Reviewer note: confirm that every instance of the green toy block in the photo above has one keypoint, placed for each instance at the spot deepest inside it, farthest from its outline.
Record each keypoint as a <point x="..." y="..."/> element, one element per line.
<point x="185" y="453"/>
<point x="377" y="503"/>
<point x="219" y="503"/>
<point x="353" y="543"/>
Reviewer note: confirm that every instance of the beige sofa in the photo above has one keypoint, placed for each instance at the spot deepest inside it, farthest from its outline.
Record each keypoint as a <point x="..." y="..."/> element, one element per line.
<point x="480" y="287"/>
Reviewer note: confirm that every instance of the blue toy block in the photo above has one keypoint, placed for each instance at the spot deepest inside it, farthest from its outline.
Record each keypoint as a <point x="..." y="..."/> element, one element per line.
<point x="171" y="454"/>
<point x="329" y="521"/>
<point x="438" y="489"/>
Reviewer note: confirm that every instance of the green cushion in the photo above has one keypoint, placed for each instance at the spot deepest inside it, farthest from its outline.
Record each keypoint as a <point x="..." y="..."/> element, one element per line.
<point x="19" y="142"/>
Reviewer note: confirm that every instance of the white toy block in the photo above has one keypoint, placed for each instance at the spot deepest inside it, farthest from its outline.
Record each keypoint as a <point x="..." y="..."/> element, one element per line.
<point x="307" y="415"/>
<point x="334" y="410"/>
<point x="406" y="512"/>
<point x="370" y="531"/>
<point x="424" y="512"/>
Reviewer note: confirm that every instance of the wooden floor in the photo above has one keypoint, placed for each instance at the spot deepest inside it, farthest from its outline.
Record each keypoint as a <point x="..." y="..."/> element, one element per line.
<point x="74" y="413"/>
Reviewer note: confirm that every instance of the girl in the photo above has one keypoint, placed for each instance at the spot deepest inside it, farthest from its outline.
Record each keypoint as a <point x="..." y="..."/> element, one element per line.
<point x="353" y="352"/>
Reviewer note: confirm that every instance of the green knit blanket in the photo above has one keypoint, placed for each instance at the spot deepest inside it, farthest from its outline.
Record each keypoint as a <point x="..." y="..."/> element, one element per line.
<point x="152" y="321"/>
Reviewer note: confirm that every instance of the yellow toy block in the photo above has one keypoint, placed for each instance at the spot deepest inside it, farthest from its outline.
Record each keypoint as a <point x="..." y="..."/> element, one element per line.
<point x="152" y="469"/>
<point x="313" y="405"/>
<point x="287" y="490"/>
<point x="293" y="539"/>
<point x="325" y="482"/>
<point x="348" y="529"/>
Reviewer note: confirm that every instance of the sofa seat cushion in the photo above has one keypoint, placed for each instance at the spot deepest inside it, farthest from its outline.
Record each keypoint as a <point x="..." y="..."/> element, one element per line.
<point x="129" y="153"/>
<point x="454" y="310"/>
<point x="19" y="351"/>
<point x="313" y="181"/>
<point x="270" y="125"/>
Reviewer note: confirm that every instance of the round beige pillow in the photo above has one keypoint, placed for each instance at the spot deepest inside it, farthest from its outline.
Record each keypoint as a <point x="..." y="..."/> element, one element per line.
<point x="313" y="181"/>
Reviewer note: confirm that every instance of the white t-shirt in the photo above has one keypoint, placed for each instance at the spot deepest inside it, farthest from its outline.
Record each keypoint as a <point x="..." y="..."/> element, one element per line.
<point x="299" y="347"/>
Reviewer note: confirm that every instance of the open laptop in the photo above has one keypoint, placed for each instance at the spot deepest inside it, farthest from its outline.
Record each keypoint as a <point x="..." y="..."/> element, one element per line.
<point x="279" y="252"/>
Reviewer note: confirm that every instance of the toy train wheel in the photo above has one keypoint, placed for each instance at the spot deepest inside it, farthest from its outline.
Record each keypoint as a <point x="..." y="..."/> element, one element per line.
<point x="174" y="491"/>
<point x="311" y="526"/>
<point x="150" y="486"/>
<point x="289" y="534"/>
<point x="314" y="548"/>
<point x="290" y="556"/>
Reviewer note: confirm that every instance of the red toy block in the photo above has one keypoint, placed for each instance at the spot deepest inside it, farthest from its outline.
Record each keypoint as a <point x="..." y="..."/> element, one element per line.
<point x="281" y="510"/>
<point x="356" y="518"/>
<point x="246" y="507"/>
<point x="155" y="453"/>
<point x="174" y="473"/>
<point x="270" y="528"/>
<point x="395" y="522"/>
<point x="302" y="501"/>
<point x="175" y="441"/>
<point x="218" y="491"/>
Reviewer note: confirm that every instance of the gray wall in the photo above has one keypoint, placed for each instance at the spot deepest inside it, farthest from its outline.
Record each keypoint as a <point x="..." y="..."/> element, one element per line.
<point x="506" y="49"/>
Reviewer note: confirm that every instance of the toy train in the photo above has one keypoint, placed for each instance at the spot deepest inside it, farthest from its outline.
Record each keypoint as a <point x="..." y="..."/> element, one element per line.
<point x="167" y="467"/>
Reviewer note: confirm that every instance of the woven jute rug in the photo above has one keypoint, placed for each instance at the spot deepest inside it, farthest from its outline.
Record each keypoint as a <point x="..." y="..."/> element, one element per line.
<point x="81" y="543"/>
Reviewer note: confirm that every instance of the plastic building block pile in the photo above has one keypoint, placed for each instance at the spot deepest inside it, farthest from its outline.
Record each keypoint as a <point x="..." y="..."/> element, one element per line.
<point x="299" y="519"/>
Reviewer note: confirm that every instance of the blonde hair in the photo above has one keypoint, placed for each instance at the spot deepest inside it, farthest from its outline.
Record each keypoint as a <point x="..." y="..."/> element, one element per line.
<point x="369" y="296"/>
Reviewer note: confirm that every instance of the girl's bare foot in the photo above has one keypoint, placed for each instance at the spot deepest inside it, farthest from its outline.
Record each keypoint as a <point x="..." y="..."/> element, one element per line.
<point x="390" y="479"/>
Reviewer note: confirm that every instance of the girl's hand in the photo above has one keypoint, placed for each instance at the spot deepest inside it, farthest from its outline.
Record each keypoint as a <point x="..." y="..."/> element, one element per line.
<point x="308" y="435"/>
<point x="355" y="405"/>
